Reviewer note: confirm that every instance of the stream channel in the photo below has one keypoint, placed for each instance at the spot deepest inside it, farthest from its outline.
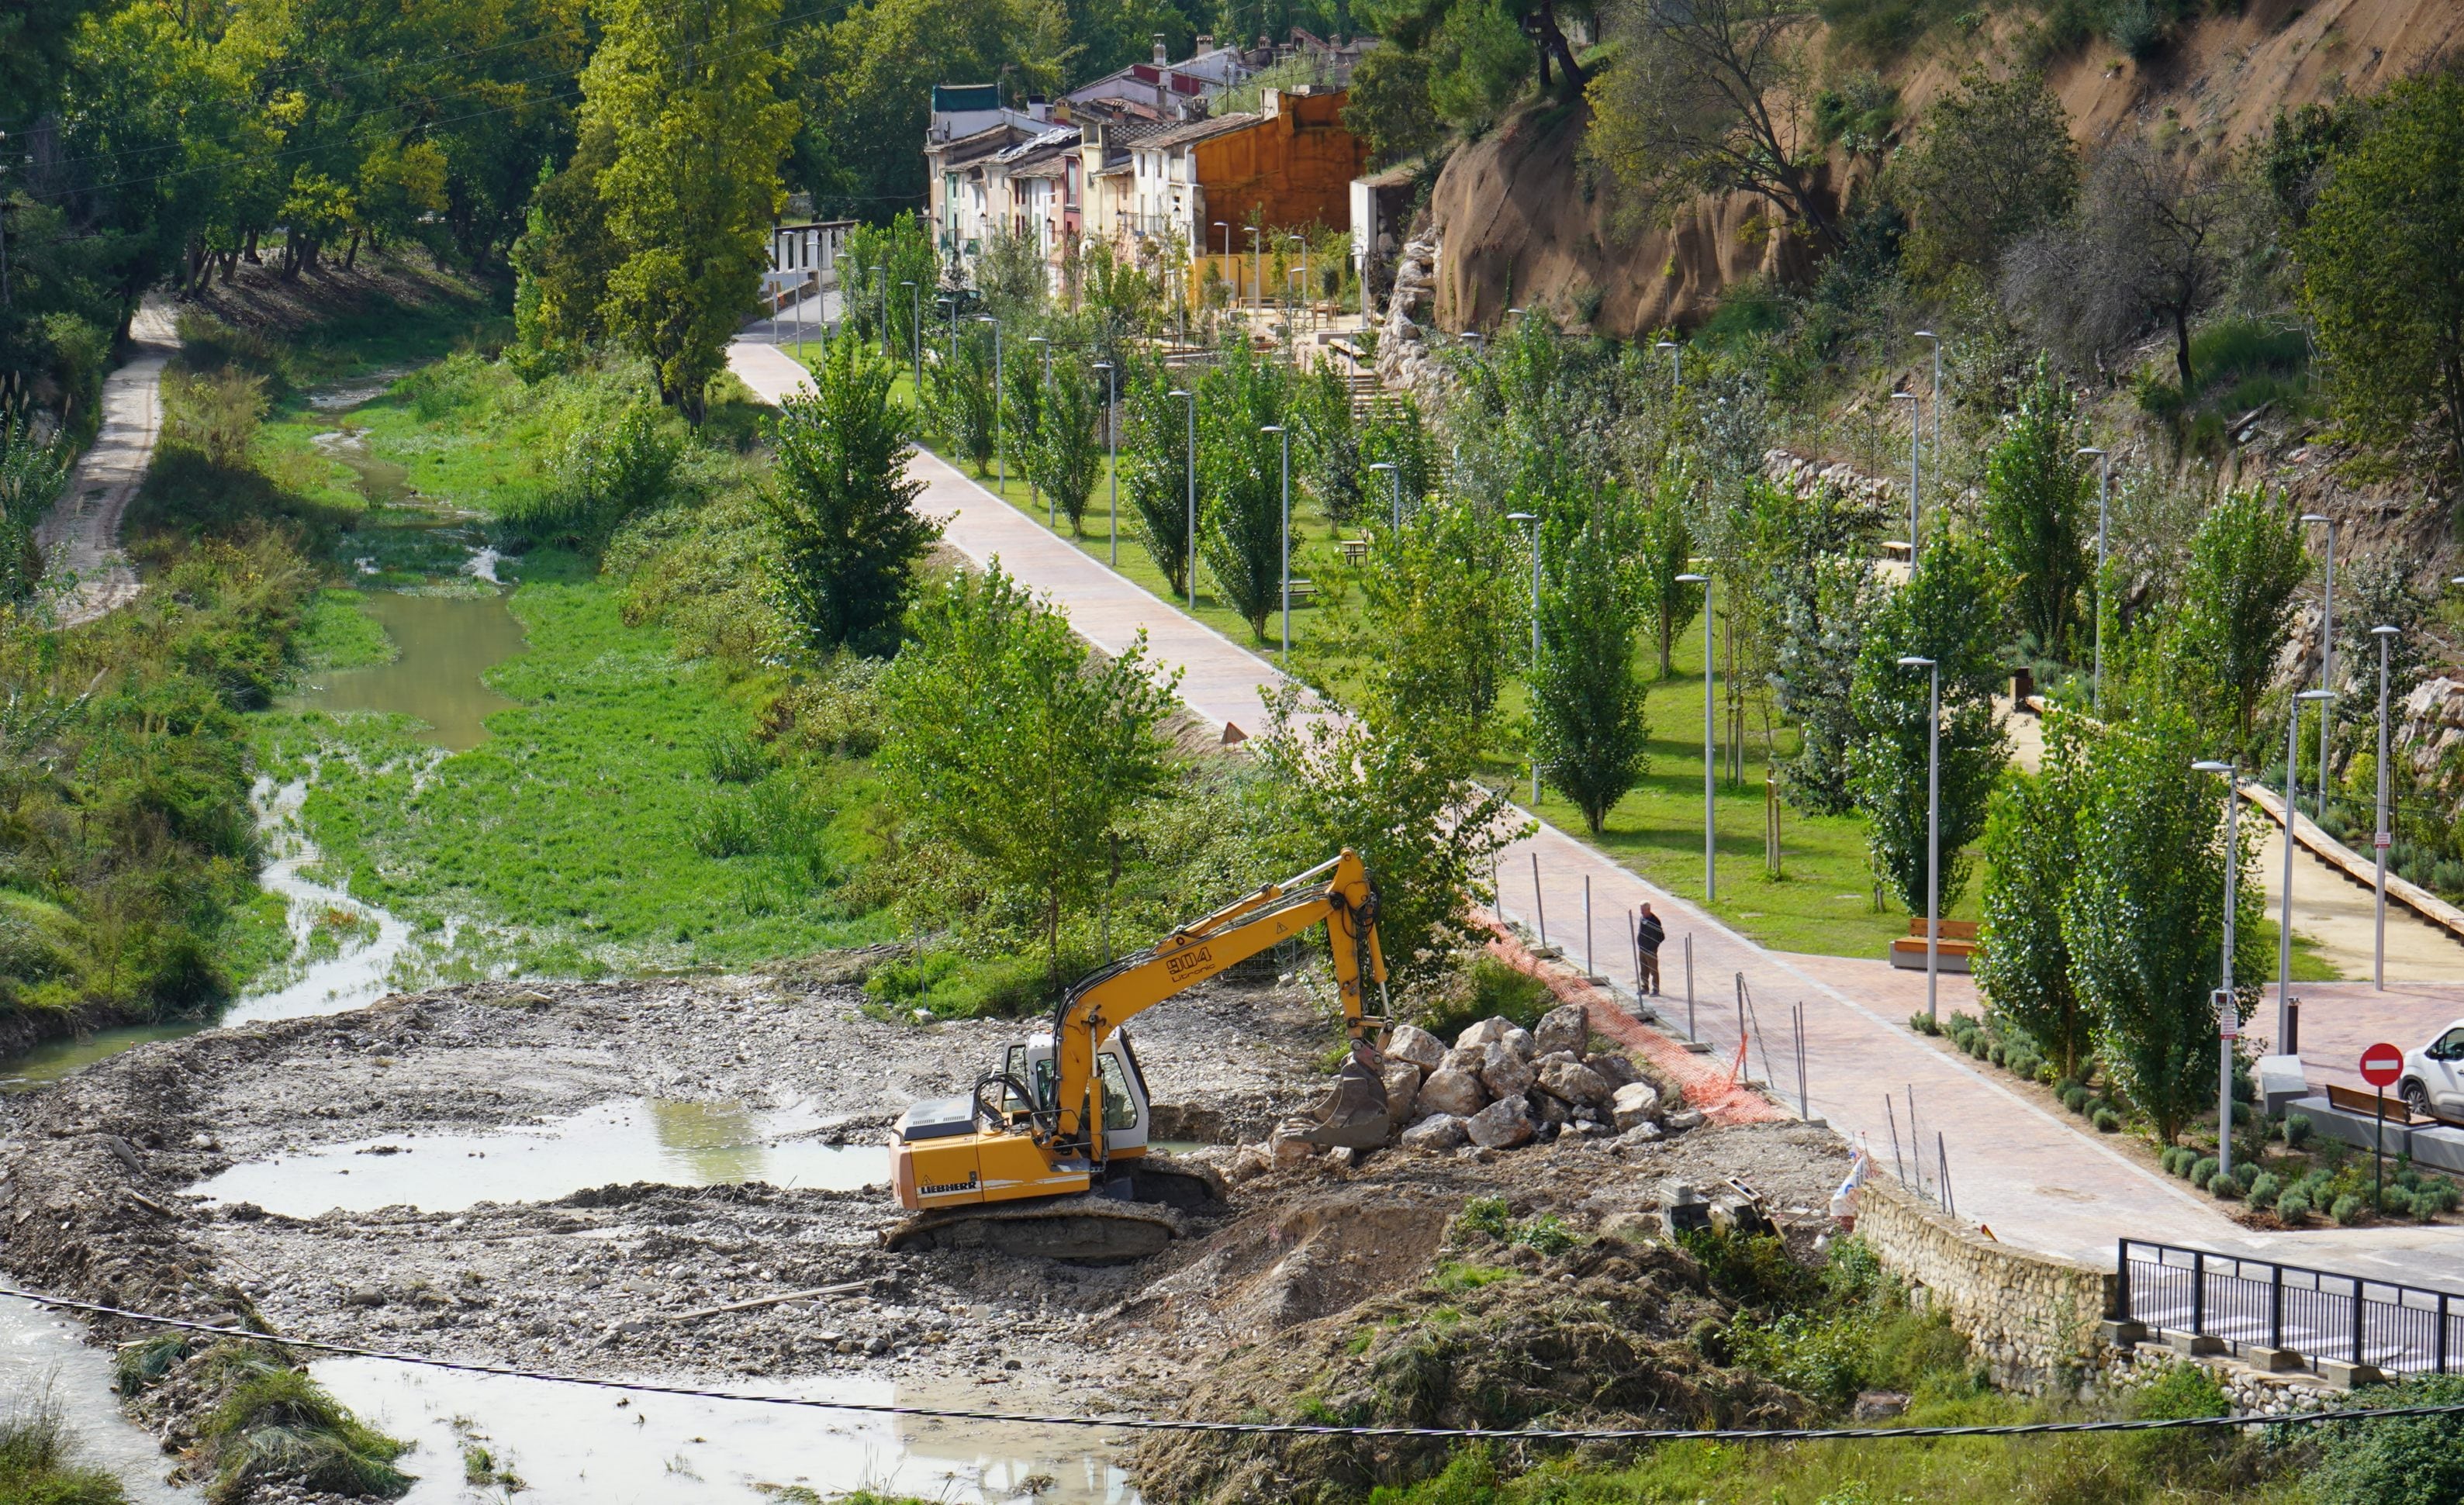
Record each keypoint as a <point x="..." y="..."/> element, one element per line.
<point x="429" y="578"/>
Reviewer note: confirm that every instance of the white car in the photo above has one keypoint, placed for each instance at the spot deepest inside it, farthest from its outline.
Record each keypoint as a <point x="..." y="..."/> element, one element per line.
<point x="2433" y="1075"/>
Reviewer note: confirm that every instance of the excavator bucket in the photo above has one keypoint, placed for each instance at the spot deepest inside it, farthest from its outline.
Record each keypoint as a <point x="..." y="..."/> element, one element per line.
<point x="1353" y="1116"/>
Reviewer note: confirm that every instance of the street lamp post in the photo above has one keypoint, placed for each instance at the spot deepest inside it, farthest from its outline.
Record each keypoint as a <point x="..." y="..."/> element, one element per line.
<point x="1933" y="824"/>
<point x="1935" y="339"/>
<point x="1675" y="363"/>
<point x="1710" y="827"/>
<point x="1258" y="265"/>
<point x="1916" y="470"/>
<point x="1287" y="436"/>
<point x="953" y="332"/>
<point x="2103" y="496"/>
<point x="1306" y="301"/>
<point x="2379" y="837"/>
<point x="1034" y="487"/>
<point x="1113" y="453"/>
<point x="1189" y="563"/>
<point x="1001" y="449"/>
<point x="1394" y="474"/>
<point x="916" y="332"/>
<point x="2327" y="652"/>
<point x="2225" y="992"/>
<point x="1227" y="228"/>
<point x="881" y="281"/>
<point x="2286" y="1044"/>
<point x="1530" y="522"/>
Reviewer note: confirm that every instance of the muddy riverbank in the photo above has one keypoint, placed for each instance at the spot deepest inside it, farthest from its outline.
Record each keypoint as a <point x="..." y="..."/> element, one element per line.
<point x="711" y="1131"/>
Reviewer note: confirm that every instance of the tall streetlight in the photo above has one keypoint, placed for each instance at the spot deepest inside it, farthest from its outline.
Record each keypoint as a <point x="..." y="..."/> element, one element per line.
<point x="2326" y="653"/>
<point x="1000" y="450"/>
<point x="1034" y="487"/>
<point x="915" y="331"/>
<point x="1933" y="825"/>
<point x="2103" y="497"/>
<point x="2286" y="1042"/>
<point x="1113" y="451"/>
<point x="1258" y="264"/>
<point x="1227" y="228"/>
<point x="881" y="281"/>
<point x="2379" y="837"/>
<point x="1710" y="827"/>
<point x="1916" y="470"/>
<point x="1675" y="363"/>
<point x="1935" y="339"/>
<point x="1530" y="522"/>
<point x="1190" y="563"/>
<point x="2225" y="992"/>
<point x="953" y="332"/>
<point x="1287" y="436"/>
<point x="1306" y="301"/>
<point x="1394" y="475"/>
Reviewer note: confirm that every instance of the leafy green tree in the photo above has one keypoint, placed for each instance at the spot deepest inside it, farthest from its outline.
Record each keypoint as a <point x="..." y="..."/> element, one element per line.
<point x="2023" y="959"/>
<point x="961" y="396"/>
<point x="1328" y="451"/>
<point x="1664" y="549"/>
<point x="1991" y="163"/>
<point x="1437" y="614"/>
<point x="1948" y="611"/>
<point x="844" y="509"/>
<point x="2383" y="273"/>
<point x="1155" y="471"/>
<point x="1023" y="398"/>
<point x="2144" y="915"/>
<point x="564" y="259"/>
<point x="873" y="263"/>
<point x="1015" y="749"/>
<point x="1389" y="106"/>
<point x="692" y="183"/>
<point x="2236" y="614"/>
<point x="1823" y="624"/>
<point x="1396" y="433"/>
<point x="2037" y="514"/>
<point x="1067" y="455"/>
<point x="1591" y="738"/>
<point x="1429" y="835"/>
<point x="2396" y="1460"/>
<point x="1241" y="480"/>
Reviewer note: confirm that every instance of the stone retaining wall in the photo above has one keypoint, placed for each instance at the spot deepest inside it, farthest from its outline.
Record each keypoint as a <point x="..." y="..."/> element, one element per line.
<point x="2032" y="1318"/>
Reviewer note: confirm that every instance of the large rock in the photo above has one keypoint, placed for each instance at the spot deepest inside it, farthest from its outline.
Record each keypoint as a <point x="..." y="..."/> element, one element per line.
<point x="1437" y="1133"/>
<point x="1288" y="1148"/>
<point x="1456" y="1092"/>
<point x="1574" y="1082"/>
<point x="1464" y="1058"/>
<point x="1486" y="1033"/>
<point x="1547" y="1112"/>
<point x="1409" y="1042"/>
<point x="1402" y="1090"/>
<point x="1518" y="1039"/>
<point x="1614" y="1069"/>
<point x="1635" y="1102"/>
<point x="1505" y="1073"/>
<point x="1566" y="1028"/>
<point x="1503" y="1124"/>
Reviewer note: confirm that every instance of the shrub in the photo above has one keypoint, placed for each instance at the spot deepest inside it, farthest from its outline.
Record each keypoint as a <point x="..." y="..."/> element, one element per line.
<point x="2246" y="1172"/>
<point x="2396" y="1202"/>
<point x="2223" y="1187"/>
<point x="216" y="415"/>
<point x="604" y="475"/>
<point x="2293" y="1205"/>
<point x="2265" y="1188"/>
<point x="725" y="827"/>
<point x="2348" y="1209"/>
<point x="1488" y="987"/>
<point x="2203" y="1170"/>
<point x="733" y="759"/>
<point x="2107" y="1122"/>
<point x="2296" y="1130"/>
<point x="2182" y="1390"/>
<point x="2395" y="1458"/>
<point x="2440" y="1195"/>
<point x="280" y="1424"/>
<point x="1924" y="1024"/>
<point x="2170" y="1158"/>
<point x="2075" y="1097"/>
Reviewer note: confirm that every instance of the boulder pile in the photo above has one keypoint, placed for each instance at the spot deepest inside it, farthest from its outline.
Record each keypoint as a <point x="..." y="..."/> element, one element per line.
<point x="1501" y="1087"/>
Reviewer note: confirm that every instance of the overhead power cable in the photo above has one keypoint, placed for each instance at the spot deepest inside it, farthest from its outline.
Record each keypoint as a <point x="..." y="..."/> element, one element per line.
<point x="1173" y="1424"/>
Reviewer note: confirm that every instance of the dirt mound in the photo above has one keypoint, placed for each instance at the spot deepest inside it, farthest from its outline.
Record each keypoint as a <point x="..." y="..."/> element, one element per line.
<point x="1503" y="1337"/>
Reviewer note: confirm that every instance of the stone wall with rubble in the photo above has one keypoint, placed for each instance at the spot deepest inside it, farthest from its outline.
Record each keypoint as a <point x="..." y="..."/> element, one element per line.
<point x="2032" y="1318"/>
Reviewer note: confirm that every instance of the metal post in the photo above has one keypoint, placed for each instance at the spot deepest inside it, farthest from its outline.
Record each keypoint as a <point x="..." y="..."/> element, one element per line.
<point x="1916" y="1156"/>
<point x="2361" y="1312"/>
<point x="2276" y="1306"/>
<point x="1000" y="446"/>
<point x="1532" y="536"/>
<point x="2284" y="1043"/>
<point x="2326" y="666"/>
<point x="1589" y="971"/>
<point x="1933" y="826"/>
<point x="1286" y="434"/>
<point x="1190" y="564"/>
<point x="1113" y="450"/>
<point x="1804" y="1107"/>
<point x="1539" y="900"/>
<point x="1942" y="1172"/>
<point x="2121" y="1279"/>
<point x="1691" y="1032"/>
<point x="2103" y="497"/>
<point x="916" y="332"/>
<point x="1710" y="816"/>
<point x="2379" y="837"/>
<point x="1899" y="1166"/>
<point x="2441" y="1345"/>
<point x="881" y="280"/>
<point x="2225" y="970"/>
<point x="1916" y="433"/>
<point x="1633" y="938"/>
<point x="2198" y="1293"/>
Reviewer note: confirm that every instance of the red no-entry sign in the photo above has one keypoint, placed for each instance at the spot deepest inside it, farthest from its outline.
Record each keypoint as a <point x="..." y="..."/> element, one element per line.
<point x="2380" y="1064"/>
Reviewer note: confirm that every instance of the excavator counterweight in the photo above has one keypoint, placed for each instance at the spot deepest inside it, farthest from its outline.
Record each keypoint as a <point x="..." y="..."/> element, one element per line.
<point x="1049" y="1154"/>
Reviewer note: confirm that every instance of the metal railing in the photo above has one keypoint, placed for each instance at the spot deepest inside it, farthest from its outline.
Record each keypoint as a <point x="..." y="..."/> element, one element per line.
<point x="2320" y="1315"/>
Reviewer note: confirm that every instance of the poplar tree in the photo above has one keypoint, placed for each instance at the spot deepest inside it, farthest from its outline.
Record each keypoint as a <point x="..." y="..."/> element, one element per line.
<point x="1241" y="475"/>
<point x="1590" y="737"/>
<point x="683" y="90"/>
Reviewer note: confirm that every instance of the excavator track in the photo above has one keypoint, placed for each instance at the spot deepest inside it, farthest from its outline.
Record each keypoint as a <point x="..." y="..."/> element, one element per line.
<point x="1092" y="1228"/>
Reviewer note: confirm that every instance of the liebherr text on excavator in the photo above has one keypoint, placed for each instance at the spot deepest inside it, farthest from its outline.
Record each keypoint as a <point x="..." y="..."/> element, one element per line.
<point x="1049" y="1154"/>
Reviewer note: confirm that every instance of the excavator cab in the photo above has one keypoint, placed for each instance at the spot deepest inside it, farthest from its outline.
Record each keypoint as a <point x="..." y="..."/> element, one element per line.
<point x="1127" y="1116"/>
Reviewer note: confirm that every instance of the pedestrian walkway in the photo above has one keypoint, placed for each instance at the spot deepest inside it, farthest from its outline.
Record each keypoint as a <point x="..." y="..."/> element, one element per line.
<point x="2031" y="1172"/>
<point x="80" y="535"/>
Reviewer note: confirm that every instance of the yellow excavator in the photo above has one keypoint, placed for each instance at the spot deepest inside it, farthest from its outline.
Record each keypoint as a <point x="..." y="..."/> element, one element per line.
<point x="1049" y="1154"/>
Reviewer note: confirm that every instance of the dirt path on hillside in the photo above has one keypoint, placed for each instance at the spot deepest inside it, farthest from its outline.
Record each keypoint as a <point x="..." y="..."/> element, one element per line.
<point x="126" y="1182"/>
<point x="80" y="535"/>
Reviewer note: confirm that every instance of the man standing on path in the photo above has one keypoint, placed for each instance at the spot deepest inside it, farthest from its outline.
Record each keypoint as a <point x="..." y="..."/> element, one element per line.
<point x="1648" y="933"/>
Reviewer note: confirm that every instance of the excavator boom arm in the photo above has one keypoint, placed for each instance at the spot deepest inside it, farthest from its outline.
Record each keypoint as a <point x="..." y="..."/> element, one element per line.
<point x="1337" y="892"/>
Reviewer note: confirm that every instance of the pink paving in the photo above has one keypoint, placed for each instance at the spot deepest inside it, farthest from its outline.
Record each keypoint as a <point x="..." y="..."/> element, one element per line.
<point x="2035" y="1175"/>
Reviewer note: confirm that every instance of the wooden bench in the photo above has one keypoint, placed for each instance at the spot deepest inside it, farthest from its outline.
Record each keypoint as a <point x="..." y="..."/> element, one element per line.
<point x="2353" y="1100"/>
<point x="1354" y="550"/>
<point x="1303" y="589"/>
<point x="1956" y="950"/>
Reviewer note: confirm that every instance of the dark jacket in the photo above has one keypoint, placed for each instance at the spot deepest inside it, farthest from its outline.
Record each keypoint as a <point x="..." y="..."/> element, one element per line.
<point x="1649" y="932"/>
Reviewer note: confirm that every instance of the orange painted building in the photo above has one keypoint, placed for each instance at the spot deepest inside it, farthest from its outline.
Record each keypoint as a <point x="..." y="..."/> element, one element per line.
<point x="1295" y="163"/>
